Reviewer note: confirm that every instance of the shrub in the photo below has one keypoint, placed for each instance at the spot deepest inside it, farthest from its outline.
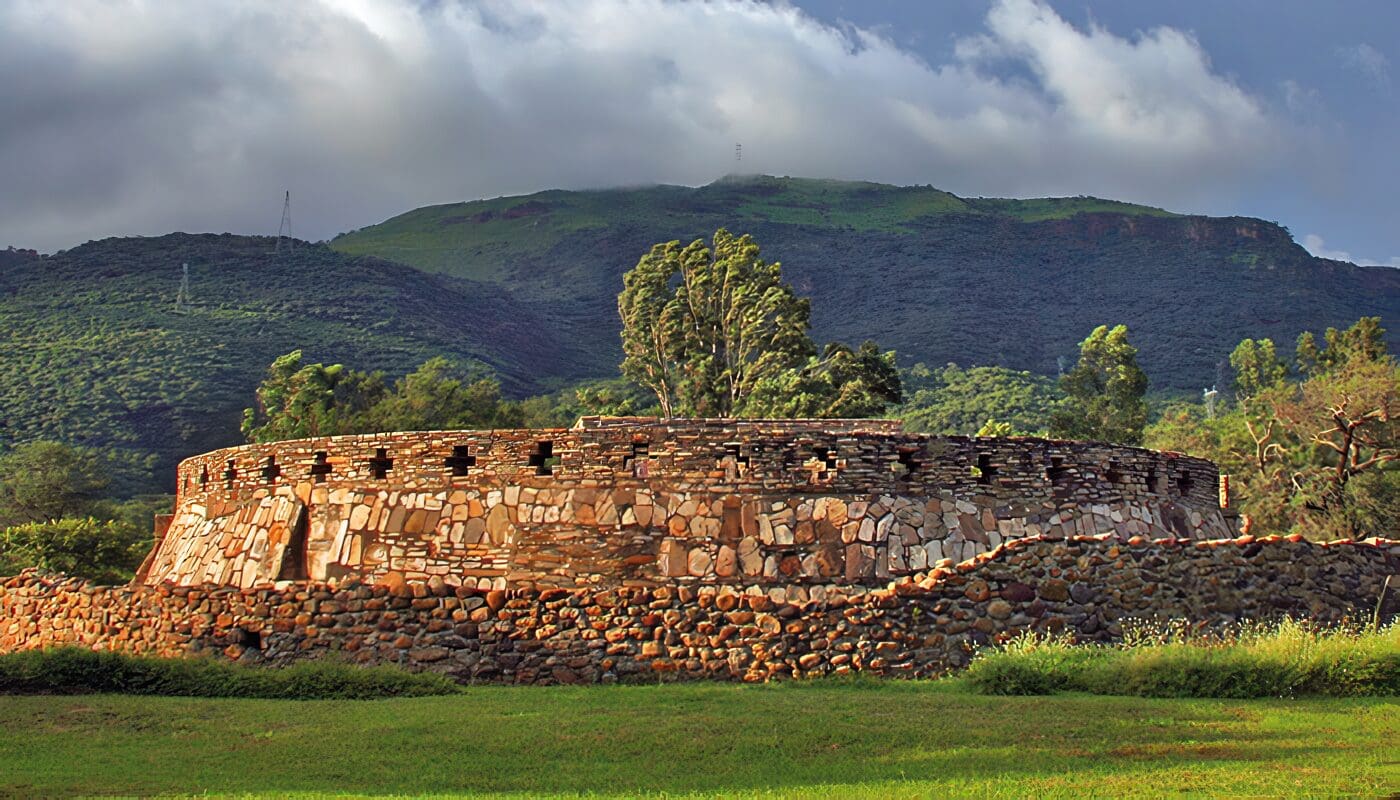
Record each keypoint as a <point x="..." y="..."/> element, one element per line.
<point x="1286" y="659"/>
<point x="72" y="670"/>
<point x="106" y="552"/>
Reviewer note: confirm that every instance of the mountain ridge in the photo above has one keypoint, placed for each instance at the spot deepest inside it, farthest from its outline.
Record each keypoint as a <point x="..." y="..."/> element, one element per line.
<point x="94" y="352"/>
<point x="923" y="250"/>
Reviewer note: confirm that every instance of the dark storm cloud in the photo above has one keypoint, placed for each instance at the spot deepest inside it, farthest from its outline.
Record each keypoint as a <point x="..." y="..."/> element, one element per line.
<point x="125" y="117"/>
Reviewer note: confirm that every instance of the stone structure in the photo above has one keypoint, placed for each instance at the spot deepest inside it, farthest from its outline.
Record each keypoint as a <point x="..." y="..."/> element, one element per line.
<point x="918" y="625"/>
<point x="624" y="548"/>
<point x="644" y="502"/>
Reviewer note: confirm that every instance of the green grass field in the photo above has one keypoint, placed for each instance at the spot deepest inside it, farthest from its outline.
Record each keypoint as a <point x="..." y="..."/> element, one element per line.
<point x="818" y="739"/>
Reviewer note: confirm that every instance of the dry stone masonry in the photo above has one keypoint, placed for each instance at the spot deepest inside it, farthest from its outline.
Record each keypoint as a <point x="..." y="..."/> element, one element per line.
<point x="644" y="502"/>
<point x="631" y="548"/>
<point x="919" y="625"/>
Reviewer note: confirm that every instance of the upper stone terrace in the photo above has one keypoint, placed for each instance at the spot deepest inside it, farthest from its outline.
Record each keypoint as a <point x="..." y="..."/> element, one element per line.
<point x="817" y="456"/>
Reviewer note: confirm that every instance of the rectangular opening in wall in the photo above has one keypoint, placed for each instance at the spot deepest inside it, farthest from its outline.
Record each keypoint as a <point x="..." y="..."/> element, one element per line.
<point x="249" y="638"/>
<point x="984" y="470"/>
<point x="270" y="469"/>
<point x="1184" y="485"/>
<point x="638" y="462"/>
<point x="1059" y="476"/>
<point x="908" y="462"/>
<point x="320" y="467"/>
<point x="732" y="454"/>
<point x="203" y="476"/>
<point x="293" y="567"/>
<point x="1112" y="474"/>
<point x="826" y="462"/>
<point x="461" y="461"/>
<point x="543" y="459"/>
<point x="230" y="473"/>
<point x="380" y="465"/>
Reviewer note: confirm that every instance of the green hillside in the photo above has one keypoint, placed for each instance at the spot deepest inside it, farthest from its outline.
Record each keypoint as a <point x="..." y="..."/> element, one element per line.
<point x="1014" y="283"/>
<point x="93" y="350"/>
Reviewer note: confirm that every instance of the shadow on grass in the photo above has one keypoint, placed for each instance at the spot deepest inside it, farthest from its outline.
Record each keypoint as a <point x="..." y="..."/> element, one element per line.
<point x="852" y="737"/>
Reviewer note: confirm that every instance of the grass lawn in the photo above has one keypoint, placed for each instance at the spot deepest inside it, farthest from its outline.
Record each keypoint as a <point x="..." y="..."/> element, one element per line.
<point x="818" y="739"/>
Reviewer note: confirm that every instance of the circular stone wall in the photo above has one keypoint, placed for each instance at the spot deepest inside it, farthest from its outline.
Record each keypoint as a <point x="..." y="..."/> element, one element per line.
<point x="632" y="501"/>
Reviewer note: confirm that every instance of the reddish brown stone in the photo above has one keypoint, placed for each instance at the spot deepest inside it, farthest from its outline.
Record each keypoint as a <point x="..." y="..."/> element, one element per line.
<point x="1018" y="592"/>
<point x="977" y="590"/>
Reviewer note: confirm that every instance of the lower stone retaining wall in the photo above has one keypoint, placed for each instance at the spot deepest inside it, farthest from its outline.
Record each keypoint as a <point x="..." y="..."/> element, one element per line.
<point x="918" y="626"/>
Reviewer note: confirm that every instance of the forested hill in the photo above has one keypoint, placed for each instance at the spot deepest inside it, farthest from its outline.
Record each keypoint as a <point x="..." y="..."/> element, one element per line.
<point x="938" y="277"/>
<point x="93" y="350"/>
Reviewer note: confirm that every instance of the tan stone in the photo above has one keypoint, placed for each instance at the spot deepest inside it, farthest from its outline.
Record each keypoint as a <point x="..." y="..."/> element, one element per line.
<point x="699" y="562"/>
<point x="750" y="557"/>
<point x="726" y="563"/>
<point x="498" y="525"/>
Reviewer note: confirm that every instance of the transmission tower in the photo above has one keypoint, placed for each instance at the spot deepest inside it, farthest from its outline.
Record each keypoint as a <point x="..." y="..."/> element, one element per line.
<point x="738" y="152"/>
<point x="182" y="298"/>
<point x="284" y="231"/>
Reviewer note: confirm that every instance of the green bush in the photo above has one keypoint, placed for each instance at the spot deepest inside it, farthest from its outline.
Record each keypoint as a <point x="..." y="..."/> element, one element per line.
<point x="106" y="552"/>
<point x="1288" y="659"/>
<point x="73" y="670"/>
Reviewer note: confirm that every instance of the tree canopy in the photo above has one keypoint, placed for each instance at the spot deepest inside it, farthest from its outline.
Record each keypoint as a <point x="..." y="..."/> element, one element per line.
<point x="1104" y="393"/>
<point x="299" y="400"/>
<point x="103" y="551"/>
<point x="43" y="481"/>
<point x="712" y="330"/>
<point x="1316" y="454"/>
<point x="958" y="400"/>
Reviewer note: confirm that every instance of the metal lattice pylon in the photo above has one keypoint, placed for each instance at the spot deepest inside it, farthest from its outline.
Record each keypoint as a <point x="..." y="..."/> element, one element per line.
<point x="182" y="298"/>
<point x="284" y="230"/>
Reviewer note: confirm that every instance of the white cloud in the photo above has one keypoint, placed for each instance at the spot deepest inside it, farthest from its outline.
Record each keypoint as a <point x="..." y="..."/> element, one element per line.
<point x="1301" y="100"/>
<point x="1369" y="62"/>
<point x="1317" y="246"/>
<point x="137" y="117"/>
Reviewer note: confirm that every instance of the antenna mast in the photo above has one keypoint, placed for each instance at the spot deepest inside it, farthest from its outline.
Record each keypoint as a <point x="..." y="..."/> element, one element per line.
<point x="738" y="152"/>
<point x="284" y="230"/>
<point x="182" y="298"/>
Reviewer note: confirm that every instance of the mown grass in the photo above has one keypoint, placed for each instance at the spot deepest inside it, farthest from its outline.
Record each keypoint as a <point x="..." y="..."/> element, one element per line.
<point x="1288" y="659"/>
<point x="815" y="739"/>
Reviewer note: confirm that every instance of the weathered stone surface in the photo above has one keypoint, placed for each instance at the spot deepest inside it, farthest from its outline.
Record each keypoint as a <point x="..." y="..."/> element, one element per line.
<point x="977" y="591"/>
<point x="919" y="626"/>
<point x="1018" y="592"/>
<point x="1053" y="589"/>
<point x="489" y="509"/>
<point x="705" y="548"/>
<point x="699" y="562"/>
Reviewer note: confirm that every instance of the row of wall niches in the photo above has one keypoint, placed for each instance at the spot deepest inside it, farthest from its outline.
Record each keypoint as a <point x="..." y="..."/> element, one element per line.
<point x="814" y="464"/>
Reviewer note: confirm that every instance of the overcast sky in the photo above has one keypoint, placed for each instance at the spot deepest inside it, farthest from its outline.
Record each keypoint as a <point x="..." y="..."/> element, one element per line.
<point x="131" y="117"/>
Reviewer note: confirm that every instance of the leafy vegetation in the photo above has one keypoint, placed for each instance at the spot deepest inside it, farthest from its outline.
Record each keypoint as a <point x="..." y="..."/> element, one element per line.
<point x="76" y="671"/>
<point x="1105" y="393"/>
<point x="937" y="278"/>
<point x="843" y="383"/>
<point x="1288" y="659"/>
<point x="94" y="352"/>
<point x="54" y="516"/>
<point x="954" y="400"/>
<point x="860" y="739"/>
<point x="1312" y="447"/>
<point x="106" y="552"/>
<point x="715" y="332"/>
<point x="298" y="400"/>
<point x="43" y="481"/>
